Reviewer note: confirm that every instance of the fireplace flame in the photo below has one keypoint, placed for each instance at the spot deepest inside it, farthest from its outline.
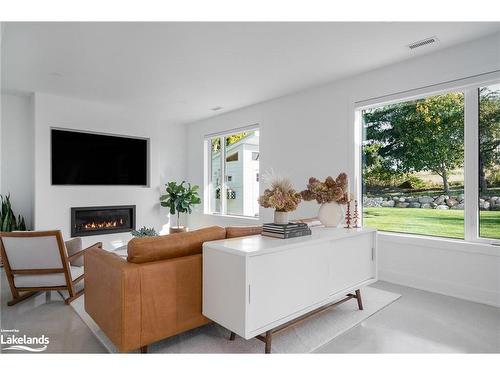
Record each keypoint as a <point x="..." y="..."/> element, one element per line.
<point x="103" y="224"/>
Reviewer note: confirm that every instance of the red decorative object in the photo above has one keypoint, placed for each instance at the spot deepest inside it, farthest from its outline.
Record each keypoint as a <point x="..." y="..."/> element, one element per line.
<point x="356" y="215"/>
<point x="348" y="213"/>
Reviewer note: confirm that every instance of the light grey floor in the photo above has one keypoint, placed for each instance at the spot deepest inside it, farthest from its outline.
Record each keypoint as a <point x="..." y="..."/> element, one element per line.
<point x="47" y="314"/>
<point x="423" y="322"/>
<point x="419" y="322"/>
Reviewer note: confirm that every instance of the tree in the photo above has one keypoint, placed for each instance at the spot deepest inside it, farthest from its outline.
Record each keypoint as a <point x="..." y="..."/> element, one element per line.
<point x="420" y="135"/>
<point x="230" y="139"/>
<point x="489" y="132"/>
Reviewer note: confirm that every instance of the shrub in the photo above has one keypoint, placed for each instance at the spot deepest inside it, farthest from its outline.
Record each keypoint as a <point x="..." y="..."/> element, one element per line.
<point x="493" y="178"/>
<point x="413" y="182"/>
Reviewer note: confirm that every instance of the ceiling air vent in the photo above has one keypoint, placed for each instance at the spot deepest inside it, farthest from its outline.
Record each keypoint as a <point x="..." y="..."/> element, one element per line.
<point x="424" y="42"/>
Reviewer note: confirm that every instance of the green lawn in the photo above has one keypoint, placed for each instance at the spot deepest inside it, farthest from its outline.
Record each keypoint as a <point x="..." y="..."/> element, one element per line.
<point x="444" y="223"/>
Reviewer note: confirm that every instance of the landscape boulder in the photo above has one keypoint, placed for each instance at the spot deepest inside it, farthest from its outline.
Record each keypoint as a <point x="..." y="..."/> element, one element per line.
<point x="389" y="203"/>
<point x="441" y="199"/>
<point x="485" y="205"/>
<point x="425" y="200"/>
<point x="442" y="207"/>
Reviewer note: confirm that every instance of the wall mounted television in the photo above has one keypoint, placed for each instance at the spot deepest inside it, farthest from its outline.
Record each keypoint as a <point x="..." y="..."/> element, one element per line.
<point x="81" y="158"/>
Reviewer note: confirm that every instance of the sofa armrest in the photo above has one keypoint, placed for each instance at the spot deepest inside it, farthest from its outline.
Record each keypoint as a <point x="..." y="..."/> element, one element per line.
<point x="113" y="297"/>
<point x="80" y="253"/>
<point x="241" y="231"/>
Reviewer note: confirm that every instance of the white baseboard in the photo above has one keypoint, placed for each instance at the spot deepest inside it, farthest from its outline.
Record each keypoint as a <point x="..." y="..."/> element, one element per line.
<point x="488" y="297"/>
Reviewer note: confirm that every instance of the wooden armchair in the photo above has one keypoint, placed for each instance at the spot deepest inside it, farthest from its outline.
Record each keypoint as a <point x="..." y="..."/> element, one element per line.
<point x="38" y="261"/>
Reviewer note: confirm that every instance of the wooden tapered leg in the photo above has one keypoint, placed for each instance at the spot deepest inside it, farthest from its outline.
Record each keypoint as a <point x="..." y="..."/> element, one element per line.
<point x="144" y="349"/>
<point x="358" y="297"/>
<point x="232" y="336"/>
<point x="269" y="337"/>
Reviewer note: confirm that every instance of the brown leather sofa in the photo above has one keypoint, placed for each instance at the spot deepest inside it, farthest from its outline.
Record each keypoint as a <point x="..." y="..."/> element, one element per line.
<point x="154" y="294"/>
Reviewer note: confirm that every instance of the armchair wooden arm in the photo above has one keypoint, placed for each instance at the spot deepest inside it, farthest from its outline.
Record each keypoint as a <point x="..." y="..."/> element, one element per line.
<point x="82" y="252"/>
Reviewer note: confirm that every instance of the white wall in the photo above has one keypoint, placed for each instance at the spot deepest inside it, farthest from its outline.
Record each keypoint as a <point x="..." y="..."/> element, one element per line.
<point x="311" y="133"/>
<point x="17" y="153"/>
<point x="53" y="203"/>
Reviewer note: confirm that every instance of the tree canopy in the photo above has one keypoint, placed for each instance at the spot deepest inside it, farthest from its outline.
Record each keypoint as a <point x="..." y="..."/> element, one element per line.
<point x="419" y="135"/>
<point x="489" y="132"/>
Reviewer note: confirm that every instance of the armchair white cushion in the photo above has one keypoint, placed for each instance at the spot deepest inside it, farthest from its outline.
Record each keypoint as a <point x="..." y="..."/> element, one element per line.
<point x="53" y="279"/>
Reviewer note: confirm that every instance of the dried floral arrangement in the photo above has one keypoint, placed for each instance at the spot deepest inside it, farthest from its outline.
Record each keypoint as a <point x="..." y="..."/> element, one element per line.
<point x="279" y="194"/>
<point x="330" y="190"/>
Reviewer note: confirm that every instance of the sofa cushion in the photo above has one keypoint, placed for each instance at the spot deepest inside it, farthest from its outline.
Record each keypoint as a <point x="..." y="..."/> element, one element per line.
<point x="150" y="249"/>
<point x="241" y="231"/>
<point x="47" y="280"/>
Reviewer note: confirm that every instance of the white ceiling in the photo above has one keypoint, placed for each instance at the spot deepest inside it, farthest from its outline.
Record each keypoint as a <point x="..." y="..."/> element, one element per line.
<point x="182" y="70"/>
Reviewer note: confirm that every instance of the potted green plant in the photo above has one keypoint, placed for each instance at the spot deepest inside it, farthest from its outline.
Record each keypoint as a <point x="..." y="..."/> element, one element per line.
<point x="180" y="199"/>
<point x="8" y="221"/>
<point x="144" y="232"/>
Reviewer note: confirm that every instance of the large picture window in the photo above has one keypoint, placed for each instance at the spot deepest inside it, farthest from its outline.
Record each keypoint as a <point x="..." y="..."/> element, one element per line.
<point x="489" y="161"/>
<point x="413" y="166"/>
<point x="233" y="178"/>
<point x="424" y="160"/>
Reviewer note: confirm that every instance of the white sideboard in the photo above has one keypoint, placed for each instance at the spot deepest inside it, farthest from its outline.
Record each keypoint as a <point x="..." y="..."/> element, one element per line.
<point x="254" y="284"/>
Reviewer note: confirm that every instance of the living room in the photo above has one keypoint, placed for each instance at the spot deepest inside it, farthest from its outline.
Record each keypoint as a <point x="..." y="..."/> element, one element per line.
<point x="153" y="175"/>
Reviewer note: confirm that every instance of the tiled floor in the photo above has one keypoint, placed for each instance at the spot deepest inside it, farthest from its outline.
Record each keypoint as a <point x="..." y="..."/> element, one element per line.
<point x="419" y="322"/>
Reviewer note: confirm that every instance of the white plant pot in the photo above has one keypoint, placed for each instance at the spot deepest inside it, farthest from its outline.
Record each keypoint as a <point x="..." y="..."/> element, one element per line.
<point x="280" y="217"/>
<point x="330" y="214"/>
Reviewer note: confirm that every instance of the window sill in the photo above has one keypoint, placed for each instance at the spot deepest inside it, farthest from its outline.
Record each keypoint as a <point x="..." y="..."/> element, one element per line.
<point x="446" y="244"/>
<point x="253" y="218"/>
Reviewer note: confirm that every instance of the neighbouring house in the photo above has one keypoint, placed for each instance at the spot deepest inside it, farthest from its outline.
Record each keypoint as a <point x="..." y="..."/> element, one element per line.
<point x="242" y="169"/>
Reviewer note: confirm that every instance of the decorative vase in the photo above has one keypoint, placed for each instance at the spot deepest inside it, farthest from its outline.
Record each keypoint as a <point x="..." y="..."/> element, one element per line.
<point x="280" y="217"/>
<point x="177" y="229"/>
<point x="330" y="214"/>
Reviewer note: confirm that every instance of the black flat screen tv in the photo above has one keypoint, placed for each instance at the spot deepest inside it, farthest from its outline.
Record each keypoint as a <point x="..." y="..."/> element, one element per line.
<point x="80" y="158"/>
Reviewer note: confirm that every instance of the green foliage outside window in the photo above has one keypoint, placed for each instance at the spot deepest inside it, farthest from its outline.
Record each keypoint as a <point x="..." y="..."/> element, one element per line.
<point x="230" y="139"/>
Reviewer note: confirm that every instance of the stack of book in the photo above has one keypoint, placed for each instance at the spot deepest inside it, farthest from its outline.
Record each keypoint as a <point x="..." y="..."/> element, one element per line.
<point x="289" y="230"/>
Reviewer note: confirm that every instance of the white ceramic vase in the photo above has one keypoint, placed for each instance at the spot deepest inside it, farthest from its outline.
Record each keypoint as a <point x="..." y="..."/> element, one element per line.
<point x="330" y="214"/>
<point x="280" y="217"/>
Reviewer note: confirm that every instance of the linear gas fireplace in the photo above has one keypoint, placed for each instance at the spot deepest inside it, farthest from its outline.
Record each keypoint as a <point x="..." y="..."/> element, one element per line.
<point x="89" y="221"/>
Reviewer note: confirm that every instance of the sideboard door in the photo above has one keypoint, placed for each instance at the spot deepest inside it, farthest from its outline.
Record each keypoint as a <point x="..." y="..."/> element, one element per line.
<point x="286" y="282"/>
<point x="351" y="261"/>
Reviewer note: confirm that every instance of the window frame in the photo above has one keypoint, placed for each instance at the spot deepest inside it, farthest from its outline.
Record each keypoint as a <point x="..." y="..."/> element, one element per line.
<point x="207" y="185"/>
<point x="470" y="88"/>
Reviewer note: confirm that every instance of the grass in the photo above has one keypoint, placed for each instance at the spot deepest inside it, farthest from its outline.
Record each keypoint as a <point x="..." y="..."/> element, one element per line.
<point x="444" y="223"/>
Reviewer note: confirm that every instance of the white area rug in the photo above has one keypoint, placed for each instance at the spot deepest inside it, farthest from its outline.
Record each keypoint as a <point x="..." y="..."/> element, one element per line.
<point x="301" y="338"/>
